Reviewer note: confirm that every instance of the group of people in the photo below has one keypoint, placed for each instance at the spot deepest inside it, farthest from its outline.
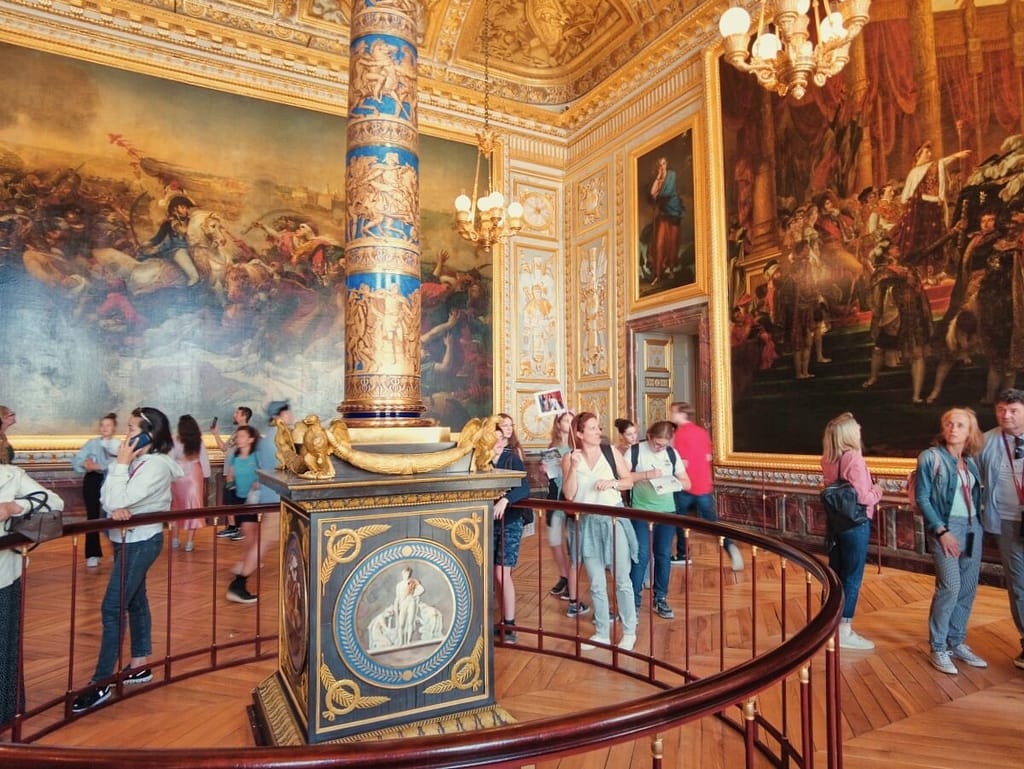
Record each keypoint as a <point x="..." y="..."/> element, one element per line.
<point x="871" y="258"/>
<point x="151" y="470"/>
<point x="669" y="472"/>
<point x="965" y="485"/>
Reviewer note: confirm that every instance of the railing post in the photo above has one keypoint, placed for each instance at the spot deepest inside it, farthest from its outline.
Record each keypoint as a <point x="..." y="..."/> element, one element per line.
<point x="657" y="751"/>
<point x="687" y="627"/>
<point x="750" y="731"/>
<point x="753" y="603"/>
<point x="832" y="704"/>
<point x="721" y="604"/>
<point x="806" y="717"/>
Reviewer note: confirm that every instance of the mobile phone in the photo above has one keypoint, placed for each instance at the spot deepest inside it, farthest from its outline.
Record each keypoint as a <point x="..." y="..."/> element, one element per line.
<point x="213" y="424"/>
<point x="141" y="440"/>
<point x="969" y="544"/>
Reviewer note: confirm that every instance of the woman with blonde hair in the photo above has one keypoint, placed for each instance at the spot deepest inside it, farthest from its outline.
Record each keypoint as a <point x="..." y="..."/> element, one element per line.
<point x="842" y="456"/>
<point x="948" y="492"/>
<point x="562" y="530"/>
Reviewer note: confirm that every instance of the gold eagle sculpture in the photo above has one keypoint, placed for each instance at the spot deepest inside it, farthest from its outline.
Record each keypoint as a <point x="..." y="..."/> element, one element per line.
<point x="318" y="444"/>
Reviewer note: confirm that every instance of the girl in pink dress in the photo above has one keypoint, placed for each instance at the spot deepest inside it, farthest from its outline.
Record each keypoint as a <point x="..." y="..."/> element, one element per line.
<point x="187" y="492"/>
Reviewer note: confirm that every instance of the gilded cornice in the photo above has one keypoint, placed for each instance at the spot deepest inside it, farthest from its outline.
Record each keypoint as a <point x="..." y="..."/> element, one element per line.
<point x="306" y="41"/>
<point x="692" y="35"/>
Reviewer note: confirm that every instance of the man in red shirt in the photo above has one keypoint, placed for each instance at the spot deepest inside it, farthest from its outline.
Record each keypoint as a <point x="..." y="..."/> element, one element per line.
<point x="693" y="444"/>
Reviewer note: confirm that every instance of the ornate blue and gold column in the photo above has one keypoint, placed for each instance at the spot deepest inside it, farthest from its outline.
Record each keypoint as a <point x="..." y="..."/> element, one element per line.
<point x="382" y="243"/>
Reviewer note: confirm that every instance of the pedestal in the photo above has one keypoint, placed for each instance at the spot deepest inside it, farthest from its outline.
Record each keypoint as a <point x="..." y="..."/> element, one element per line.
<point x="385" y="608"/>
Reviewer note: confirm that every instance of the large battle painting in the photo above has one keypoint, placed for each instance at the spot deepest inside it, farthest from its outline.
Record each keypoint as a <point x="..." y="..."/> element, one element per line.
<point x="183" y="248"/>
<point x="876" y="262"/>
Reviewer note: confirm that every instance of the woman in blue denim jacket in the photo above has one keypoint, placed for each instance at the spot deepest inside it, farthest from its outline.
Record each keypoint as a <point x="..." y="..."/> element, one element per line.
<point x="948" y="493"/>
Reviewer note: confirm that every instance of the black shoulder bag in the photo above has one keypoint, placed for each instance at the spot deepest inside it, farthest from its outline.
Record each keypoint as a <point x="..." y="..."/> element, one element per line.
<point x="839" y="499"/>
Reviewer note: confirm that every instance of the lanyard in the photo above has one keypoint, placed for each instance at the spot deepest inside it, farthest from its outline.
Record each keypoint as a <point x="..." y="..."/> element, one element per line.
<point x="135" y="467"/>
<point x="1019" y="485"/>
<point x="965" y="487"/>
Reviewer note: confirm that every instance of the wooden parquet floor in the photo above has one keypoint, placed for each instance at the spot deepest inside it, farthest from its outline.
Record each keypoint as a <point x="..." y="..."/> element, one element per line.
<point x="897" y="710"/>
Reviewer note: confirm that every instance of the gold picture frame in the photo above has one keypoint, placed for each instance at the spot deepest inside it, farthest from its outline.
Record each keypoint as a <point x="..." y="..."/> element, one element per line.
<point x="666" y="193"/>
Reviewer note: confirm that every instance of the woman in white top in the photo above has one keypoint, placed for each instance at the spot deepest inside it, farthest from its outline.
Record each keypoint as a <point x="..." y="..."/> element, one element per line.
<point x="560" y="530"/>
<point x="588" y="475"/>
<point x="15" y="484"/>
<point x="139" y="482"/>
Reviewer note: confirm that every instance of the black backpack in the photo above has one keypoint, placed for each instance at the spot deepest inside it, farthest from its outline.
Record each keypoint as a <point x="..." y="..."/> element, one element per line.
<point x="842" y="509"/>
<point x="634" y="457"/>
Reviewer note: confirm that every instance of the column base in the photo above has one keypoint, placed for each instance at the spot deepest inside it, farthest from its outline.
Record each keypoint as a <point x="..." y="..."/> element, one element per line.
<point x="274" y="723"/>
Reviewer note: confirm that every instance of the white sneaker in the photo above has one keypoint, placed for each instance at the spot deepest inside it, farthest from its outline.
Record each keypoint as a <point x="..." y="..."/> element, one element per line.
<point x="628" y="642"/>
<point x="963" y="652"/>
<point x="735" y="556"/>
<point x="943" y="661"/>
<point x="92" y="562"/>
<point x="598" y="638"/>
<point x="850" y="640"/>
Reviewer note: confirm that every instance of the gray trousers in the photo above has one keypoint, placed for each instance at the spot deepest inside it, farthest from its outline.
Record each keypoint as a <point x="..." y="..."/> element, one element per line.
<point x="1011" y="550"/>
<point x="956" y="584"/>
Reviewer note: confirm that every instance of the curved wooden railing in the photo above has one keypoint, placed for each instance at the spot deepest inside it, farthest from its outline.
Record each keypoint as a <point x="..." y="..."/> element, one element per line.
<point x="786" y="737"/>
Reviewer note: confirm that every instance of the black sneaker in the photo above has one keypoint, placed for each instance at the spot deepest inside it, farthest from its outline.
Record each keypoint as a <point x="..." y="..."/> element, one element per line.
<point x="662" y="609"/>
<point x="238" y="593"/>
<point x="90" y="699"/>
<point x="237" y="536"/>
<point x="141" y="676"/>
<point x="503" y="632"/>
<point x="577" y="609"/>
<point x="1019" y="660"/>
<point x="227" y="531"/>
<point x="561" y="588"/>
<point x="681" y="560"/>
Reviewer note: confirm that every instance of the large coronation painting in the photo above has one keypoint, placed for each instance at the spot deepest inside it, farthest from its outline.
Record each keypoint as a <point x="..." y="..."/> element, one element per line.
<point x="875" y="230"/>
<point x="183" y="248"/>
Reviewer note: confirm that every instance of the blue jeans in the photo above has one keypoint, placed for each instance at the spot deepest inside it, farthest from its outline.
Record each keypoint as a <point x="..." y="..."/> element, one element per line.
<point x="662" y="558"/>
<point x="847" y="558"/>
<point x="705" y="504"/>
<point x="133" y="560"/>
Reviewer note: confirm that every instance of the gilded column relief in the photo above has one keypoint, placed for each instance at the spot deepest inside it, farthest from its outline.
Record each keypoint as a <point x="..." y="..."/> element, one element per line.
<point x="592" y="200"/>
<point x="592" y="278"/>
<point x="382" y="228"/>
<point x="538" y="289"/>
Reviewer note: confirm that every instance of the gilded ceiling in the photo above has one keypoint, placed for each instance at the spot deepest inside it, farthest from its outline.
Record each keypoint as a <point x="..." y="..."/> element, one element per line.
<point x="548" y="53"/>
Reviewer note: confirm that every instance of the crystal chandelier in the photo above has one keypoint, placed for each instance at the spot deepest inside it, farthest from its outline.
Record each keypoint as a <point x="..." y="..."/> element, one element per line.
<point x="484" y="220"/>
<point x="789" y="50"/>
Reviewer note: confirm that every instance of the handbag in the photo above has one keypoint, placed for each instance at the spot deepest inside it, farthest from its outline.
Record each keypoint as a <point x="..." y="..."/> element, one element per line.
<point x="41" y="522"/>
<point x="844" y="512"/>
